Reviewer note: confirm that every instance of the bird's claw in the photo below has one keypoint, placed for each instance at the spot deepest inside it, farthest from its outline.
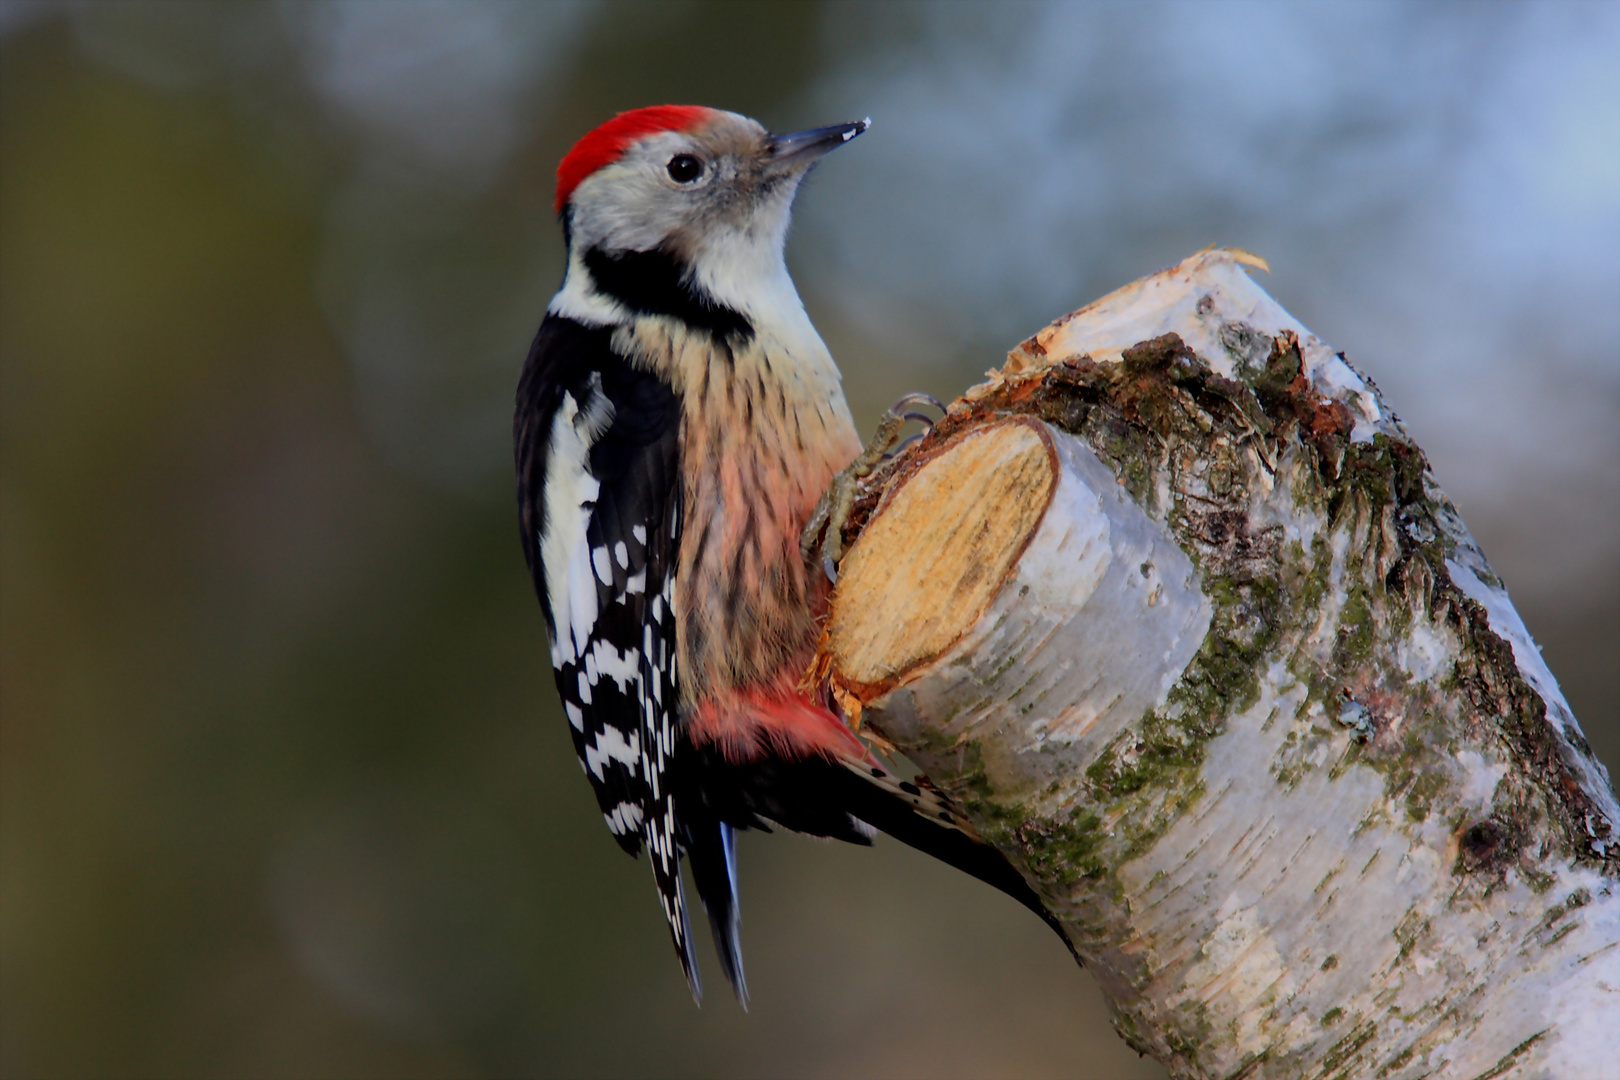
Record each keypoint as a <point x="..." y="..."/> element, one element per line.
<point x="825" y="529"/>
<point x="917" y="397"/>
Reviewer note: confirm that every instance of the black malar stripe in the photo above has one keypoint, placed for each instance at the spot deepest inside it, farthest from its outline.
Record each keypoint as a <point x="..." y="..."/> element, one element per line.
<point x="657" y="283"/>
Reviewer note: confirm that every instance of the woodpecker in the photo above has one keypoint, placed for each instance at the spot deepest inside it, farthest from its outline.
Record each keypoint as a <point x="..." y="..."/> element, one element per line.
<point x="678" y="419"/>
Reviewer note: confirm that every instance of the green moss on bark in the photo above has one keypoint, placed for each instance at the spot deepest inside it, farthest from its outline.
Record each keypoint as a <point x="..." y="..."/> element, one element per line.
<point x="1337" y="597"/>
<point x="1190" y="447"/>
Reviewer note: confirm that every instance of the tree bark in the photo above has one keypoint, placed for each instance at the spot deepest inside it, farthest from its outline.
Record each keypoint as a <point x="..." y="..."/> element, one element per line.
<point x="1174" y="608"/>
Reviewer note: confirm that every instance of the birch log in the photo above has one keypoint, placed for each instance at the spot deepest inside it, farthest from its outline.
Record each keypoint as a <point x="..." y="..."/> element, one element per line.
<point x="1173" y="606"/>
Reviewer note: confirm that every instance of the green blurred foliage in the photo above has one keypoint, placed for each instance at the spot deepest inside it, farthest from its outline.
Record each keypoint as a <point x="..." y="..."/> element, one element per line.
<point x="285" y="788"/>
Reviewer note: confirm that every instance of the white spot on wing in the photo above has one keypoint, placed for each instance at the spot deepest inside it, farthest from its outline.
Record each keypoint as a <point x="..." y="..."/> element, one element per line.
<point x="570" y="495"/>
<point x="609" y="661"/>
<point x="625" y="818"/>
<point x="611" y="745"/>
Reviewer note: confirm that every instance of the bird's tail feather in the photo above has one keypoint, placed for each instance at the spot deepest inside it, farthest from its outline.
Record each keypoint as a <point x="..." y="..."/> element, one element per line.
<point x="920" y="817"/>
<point x="847" y="799"/>
<point x="712" y="847"/>
<point x="660" y="835"/>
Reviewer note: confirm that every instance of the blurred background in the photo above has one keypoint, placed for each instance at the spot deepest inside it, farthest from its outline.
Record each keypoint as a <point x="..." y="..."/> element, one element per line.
<point x="284" y="788"/>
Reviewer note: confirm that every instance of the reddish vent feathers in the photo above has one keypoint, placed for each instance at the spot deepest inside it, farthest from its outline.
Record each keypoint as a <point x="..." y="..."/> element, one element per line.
<point x="604" y="145"/>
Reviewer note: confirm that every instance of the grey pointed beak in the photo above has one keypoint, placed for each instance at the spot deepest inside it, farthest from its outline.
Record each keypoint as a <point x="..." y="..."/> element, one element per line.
<point x="799" y="150"/>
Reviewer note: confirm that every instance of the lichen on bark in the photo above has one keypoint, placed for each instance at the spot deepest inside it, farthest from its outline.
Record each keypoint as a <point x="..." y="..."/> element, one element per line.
<point x="1354" y="632"/>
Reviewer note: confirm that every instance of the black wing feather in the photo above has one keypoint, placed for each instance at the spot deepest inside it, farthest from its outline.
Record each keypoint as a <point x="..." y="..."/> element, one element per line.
<point x="564" y="377"/>
<point x="615" y="662"/>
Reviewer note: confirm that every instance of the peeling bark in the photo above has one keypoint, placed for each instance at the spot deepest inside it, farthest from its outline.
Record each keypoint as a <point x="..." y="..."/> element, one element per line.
<point x="1173" y="606"/>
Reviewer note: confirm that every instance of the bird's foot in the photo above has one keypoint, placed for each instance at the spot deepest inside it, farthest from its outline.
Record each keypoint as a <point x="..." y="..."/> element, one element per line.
<point x="824" y="533"/>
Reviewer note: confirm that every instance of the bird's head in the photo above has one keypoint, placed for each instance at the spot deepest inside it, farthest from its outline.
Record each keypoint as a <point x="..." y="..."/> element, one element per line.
<point x="670" y="175"/>
<point x="709" y="190"/>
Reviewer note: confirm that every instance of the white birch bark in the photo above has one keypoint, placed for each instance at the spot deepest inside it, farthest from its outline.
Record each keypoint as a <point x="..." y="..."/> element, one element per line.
<point x="1194" y="637"/>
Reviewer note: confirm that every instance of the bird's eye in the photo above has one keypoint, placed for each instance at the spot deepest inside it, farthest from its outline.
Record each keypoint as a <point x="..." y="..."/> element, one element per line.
<point x="684" y="168"/>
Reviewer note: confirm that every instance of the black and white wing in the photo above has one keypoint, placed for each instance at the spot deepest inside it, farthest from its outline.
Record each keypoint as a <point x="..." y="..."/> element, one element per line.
<point x="598" y="457"/>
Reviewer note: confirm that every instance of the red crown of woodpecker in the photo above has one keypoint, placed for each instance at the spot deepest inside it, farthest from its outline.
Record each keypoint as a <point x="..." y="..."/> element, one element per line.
<point x="605" y="144"/>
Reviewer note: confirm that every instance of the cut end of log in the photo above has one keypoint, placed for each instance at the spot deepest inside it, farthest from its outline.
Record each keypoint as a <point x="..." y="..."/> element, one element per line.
<point x="940" y="551"/>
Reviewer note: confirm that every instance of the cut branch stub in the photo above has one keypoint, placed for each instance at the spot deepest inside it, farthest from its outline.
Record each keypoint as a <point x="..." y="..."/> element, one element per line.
<point x="1174" y="608"/>
<point x="1026" y="576"/>
<point x="959" y="525"/>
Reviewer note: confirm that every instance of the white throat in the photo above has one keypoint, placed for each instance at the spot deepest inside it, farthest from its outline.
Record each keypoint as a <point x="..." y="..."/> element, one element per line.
<point x="745" y="271"/>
